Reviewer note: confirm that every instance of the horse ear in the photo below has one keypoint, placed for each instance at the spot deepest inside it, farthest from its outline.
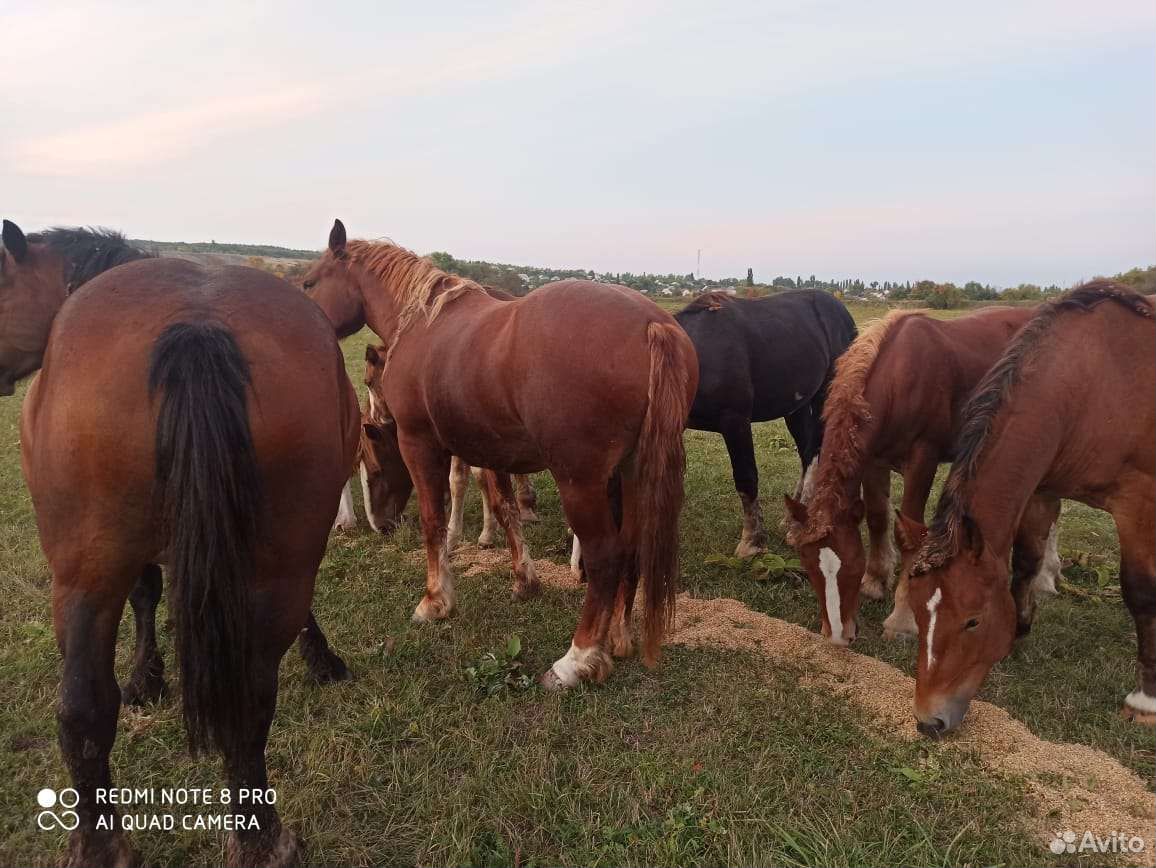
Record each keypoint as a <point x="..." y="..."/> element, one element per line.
<point x="971" y="536"/>
<point x="371" y="354"/>
<point x="337" y="238"/>
<point x="909" y="533"/>
<point x="14" y="241"/>
<point x="796" y="509"/>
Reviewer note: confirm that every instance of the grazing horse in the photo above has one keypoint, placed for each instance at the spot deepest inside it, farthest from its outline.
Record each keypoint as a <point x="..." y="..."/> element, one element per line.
<point x="762" y="359"/>
<point x="505" y="385"/>
<point x="183" y="442"/>
<point x="1069" y="410"/>
<point x="894" y="404"/>
<point x="38" y="272"/>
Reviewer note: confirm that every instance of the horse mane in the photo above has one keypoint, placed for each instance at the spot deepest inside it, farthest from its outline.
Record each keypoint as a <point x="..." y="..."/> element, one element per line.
<point x="989" y="398"/>
<point x="845" y="415"/>
<point x="88" y="252"/>
<point x="710" y="300"/>
<point x="419" y="287"/>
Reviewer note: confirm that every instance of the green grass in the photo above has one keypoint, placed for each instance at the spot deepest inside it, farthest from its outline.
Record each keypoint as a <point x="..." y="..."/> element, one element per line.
<point x="713" y="758"/>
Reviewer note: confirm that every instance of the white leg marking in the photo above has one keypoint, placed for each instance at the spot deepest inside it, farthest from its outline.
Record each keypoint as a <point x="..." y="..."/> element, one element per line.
<point x="361" y="471"/>
<point x="346" y="517"/>
<point x="572" y="668"/>
<point x="932" y="611"/>
<point x="829" y="564"/>
<point x="807" y="486"/>
<point x="1141" y="701"/>
<point x="576" y="557"/>
<point x="1044" y="581"/>
<point x="486" y="537"/>
<point x="459" y="482"/>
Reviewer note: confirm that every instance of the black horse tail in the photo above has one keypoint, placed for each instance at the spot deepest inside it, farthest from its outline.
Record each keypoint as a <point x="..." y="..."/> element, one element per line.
<point x="207" y="489"/>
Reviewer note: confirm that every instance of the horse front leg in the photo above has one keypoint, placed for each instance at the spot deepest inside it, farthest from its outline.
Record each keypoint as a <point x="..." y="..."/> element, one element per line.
<point x="918" y="474"/>
<point x="740" y="445"/>
<point x="1029" y="554"/>
<point x="882" y="557"/>
<point x="459" y="484"/>
<point x="499" y="494"/>
<point x="430" y="466"/>
<point x="346" y="517"/>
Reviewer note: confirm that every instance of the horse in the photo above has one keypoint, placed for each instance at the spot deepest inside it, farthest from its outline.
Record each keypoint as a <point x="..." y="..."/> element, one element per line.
<point x="1069" y="410"/>
<point x="40" y="271"/>
<point x="504" y="385"/>
<point x="151" y="448"/>
<point x="894" y="404"/>
<point x="762" y="359"/>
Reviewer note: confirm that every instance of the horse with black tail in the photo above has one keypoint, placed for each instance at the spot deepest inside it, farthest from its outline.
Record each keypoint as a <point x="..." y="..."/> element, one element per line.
<point x="150" y="449"/>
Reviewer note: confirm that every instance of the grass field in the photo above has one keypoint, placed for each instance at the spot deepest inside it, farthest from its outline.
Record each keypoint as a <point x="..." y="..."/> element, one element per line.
<point x="712" y="758"/>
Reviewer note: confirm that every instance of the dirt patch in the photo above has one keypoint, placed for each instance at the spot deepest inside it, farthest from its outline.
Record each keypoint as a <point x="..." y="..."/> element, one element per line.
<point x="1073" y="786"/>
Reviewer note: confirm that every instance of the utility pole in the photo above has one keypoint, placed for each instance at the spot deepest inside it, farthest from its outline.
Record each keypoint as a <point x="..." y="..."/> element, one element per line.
<point x="698" y="266"/>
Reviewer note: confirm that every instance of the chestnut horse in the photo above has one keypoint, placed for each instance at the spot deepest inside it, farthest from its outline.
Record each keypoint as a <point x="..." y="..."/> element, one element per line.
<point x="894" y="404"/>
<point x="183" y="442"/>
<point x="506" y="385"/>
<point x="1069" y="410"/>
<point x="37" y="273"/>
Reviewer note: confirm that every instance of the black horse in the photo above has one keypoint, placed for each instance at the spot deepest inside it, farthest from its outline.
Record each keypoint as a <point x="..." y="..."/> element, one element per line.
<point x="762" y="359"/>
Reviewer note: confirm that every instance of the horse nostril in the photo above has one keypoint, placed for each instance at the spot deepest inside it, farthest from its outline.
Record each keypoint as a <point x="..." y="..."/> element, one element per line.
<point x="932" y="729"/>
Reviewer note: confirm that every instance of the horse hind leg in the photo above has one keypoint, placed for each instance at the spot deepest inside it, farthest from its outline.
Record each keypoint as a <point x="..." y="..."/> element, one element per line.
<point x="882" y="557"/>
<point x="620" y="639"/>
<point x="1138" y="583"/>
<point x="459" y="484"/>
<point x="486" y="537"/>
<point x="527" y="498"/>
<point x="499" y="494"/>
<point x="86" y="626"/>
<point x="146" y="684"/>
<point x="324" y="665"/>
<point x="1029" y="557"/>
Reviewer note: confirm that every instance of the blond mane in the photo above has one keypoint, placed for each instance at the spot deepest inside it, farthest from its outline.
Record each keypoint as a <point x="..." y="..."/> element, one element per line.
<point x="846" y="415"/>
<point x="418" y="286"/>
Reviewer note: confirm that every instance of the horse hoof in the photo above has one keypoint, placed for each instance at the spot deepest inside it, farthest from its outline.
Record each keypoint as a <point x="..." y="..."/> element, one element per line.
<point x="432" y="610"/>
<point x="893" y="634"/>
<point x="527" y="590"/>
<point x="285" y="853"/>
<point x="549" y="680"/>
<point x="329" y="669"/>
<point x="873" y="589"/>
<point x="485" y="542"/>
<point x="749" y="550"/>
<point x="1140" y="708"/>
<point x="143" y="692"/>
<point x="621" y="646"/>
<point x="1142" y="718"/>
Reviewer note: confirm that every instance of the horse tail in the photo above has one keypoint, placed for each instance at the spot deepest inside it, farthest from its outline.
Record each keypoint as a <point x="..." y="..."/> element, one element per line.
<point x="660" y="462"/>
<point x="207" y="489"/>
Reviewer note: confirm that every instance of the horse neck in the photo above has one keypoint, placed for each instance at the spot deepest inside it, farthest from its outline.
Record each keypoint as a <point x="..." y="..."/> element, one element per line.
<point x="1014" y="462"/>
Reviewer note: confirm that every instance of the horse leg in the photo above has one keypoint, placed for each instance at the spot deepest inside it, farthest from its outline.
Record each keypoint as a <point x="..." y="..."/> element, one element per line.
<point x="86" y="625"/>
<point x="430" y="466"/>
<point x="1136" y="528"/>
<point x="622" y="496"/>
<point x="880" y="574"/>
<point x="262" y="840"/>
<point x="486" y="537"/>
<point x="577" y="570"/>
<point x="588" y="510"/>
<point x="346" y="517"/>
<point x="527" y="498"/>
<point x="459" y="483"/>
<point x="918" y="474"/>
<point x="740" y="445"/>
<point x="1029" y="552"/>
<point x="1044" y="581"/>
<point x="497" y="490"/>
<point x="146" y="685"/>
<point x="322" y="662"/>
<point x="804" y="427"/>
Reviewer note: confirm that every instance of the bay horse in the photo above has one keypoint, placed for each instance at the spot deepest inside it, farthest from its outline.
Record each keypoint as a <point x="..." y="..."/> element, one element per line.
<point x="895" y="403"/>
<point x="762" y="359"/>
<point x="38" y="272"/>
<point x="504" y="385"/>
<point x="183" y="442"/>
<point x="1069" y="410"/>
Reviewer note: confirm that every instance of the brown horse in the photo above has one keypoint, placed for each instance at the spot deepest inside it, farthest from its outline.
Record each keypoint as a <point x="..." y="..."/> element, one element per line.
<point x="37" y="274"/>
<point x="183" y="442"/>
<point x="894" y="404"/>
<point x="1068" y="410"/>
<point x="505" y="385"/>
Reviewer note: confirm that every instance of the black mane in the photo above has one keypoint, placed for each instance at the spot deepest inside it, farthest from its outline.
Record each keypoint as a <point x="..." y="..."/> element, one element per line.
<point x="88" y="252"/>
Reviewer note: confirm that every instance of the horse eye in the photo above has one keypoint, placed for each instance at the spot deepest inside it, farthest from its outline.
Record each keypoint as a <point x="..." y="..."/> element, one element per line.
<point x="309" y="284"/>
<point x="971" y="624"/>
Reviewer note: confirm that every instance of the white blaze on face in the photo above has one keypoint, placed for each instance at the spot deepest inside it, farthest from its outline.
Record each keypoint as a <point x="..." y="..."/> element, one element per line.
<point x="361" y="471"/>
<point x="932" y="614"/>
<point x="829" y="564"/>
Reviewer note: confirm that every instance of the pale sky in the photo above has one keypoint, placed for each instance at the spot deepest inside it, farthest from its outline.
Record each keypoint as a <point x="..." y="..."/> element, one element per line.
<point x="999" y="141"/>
